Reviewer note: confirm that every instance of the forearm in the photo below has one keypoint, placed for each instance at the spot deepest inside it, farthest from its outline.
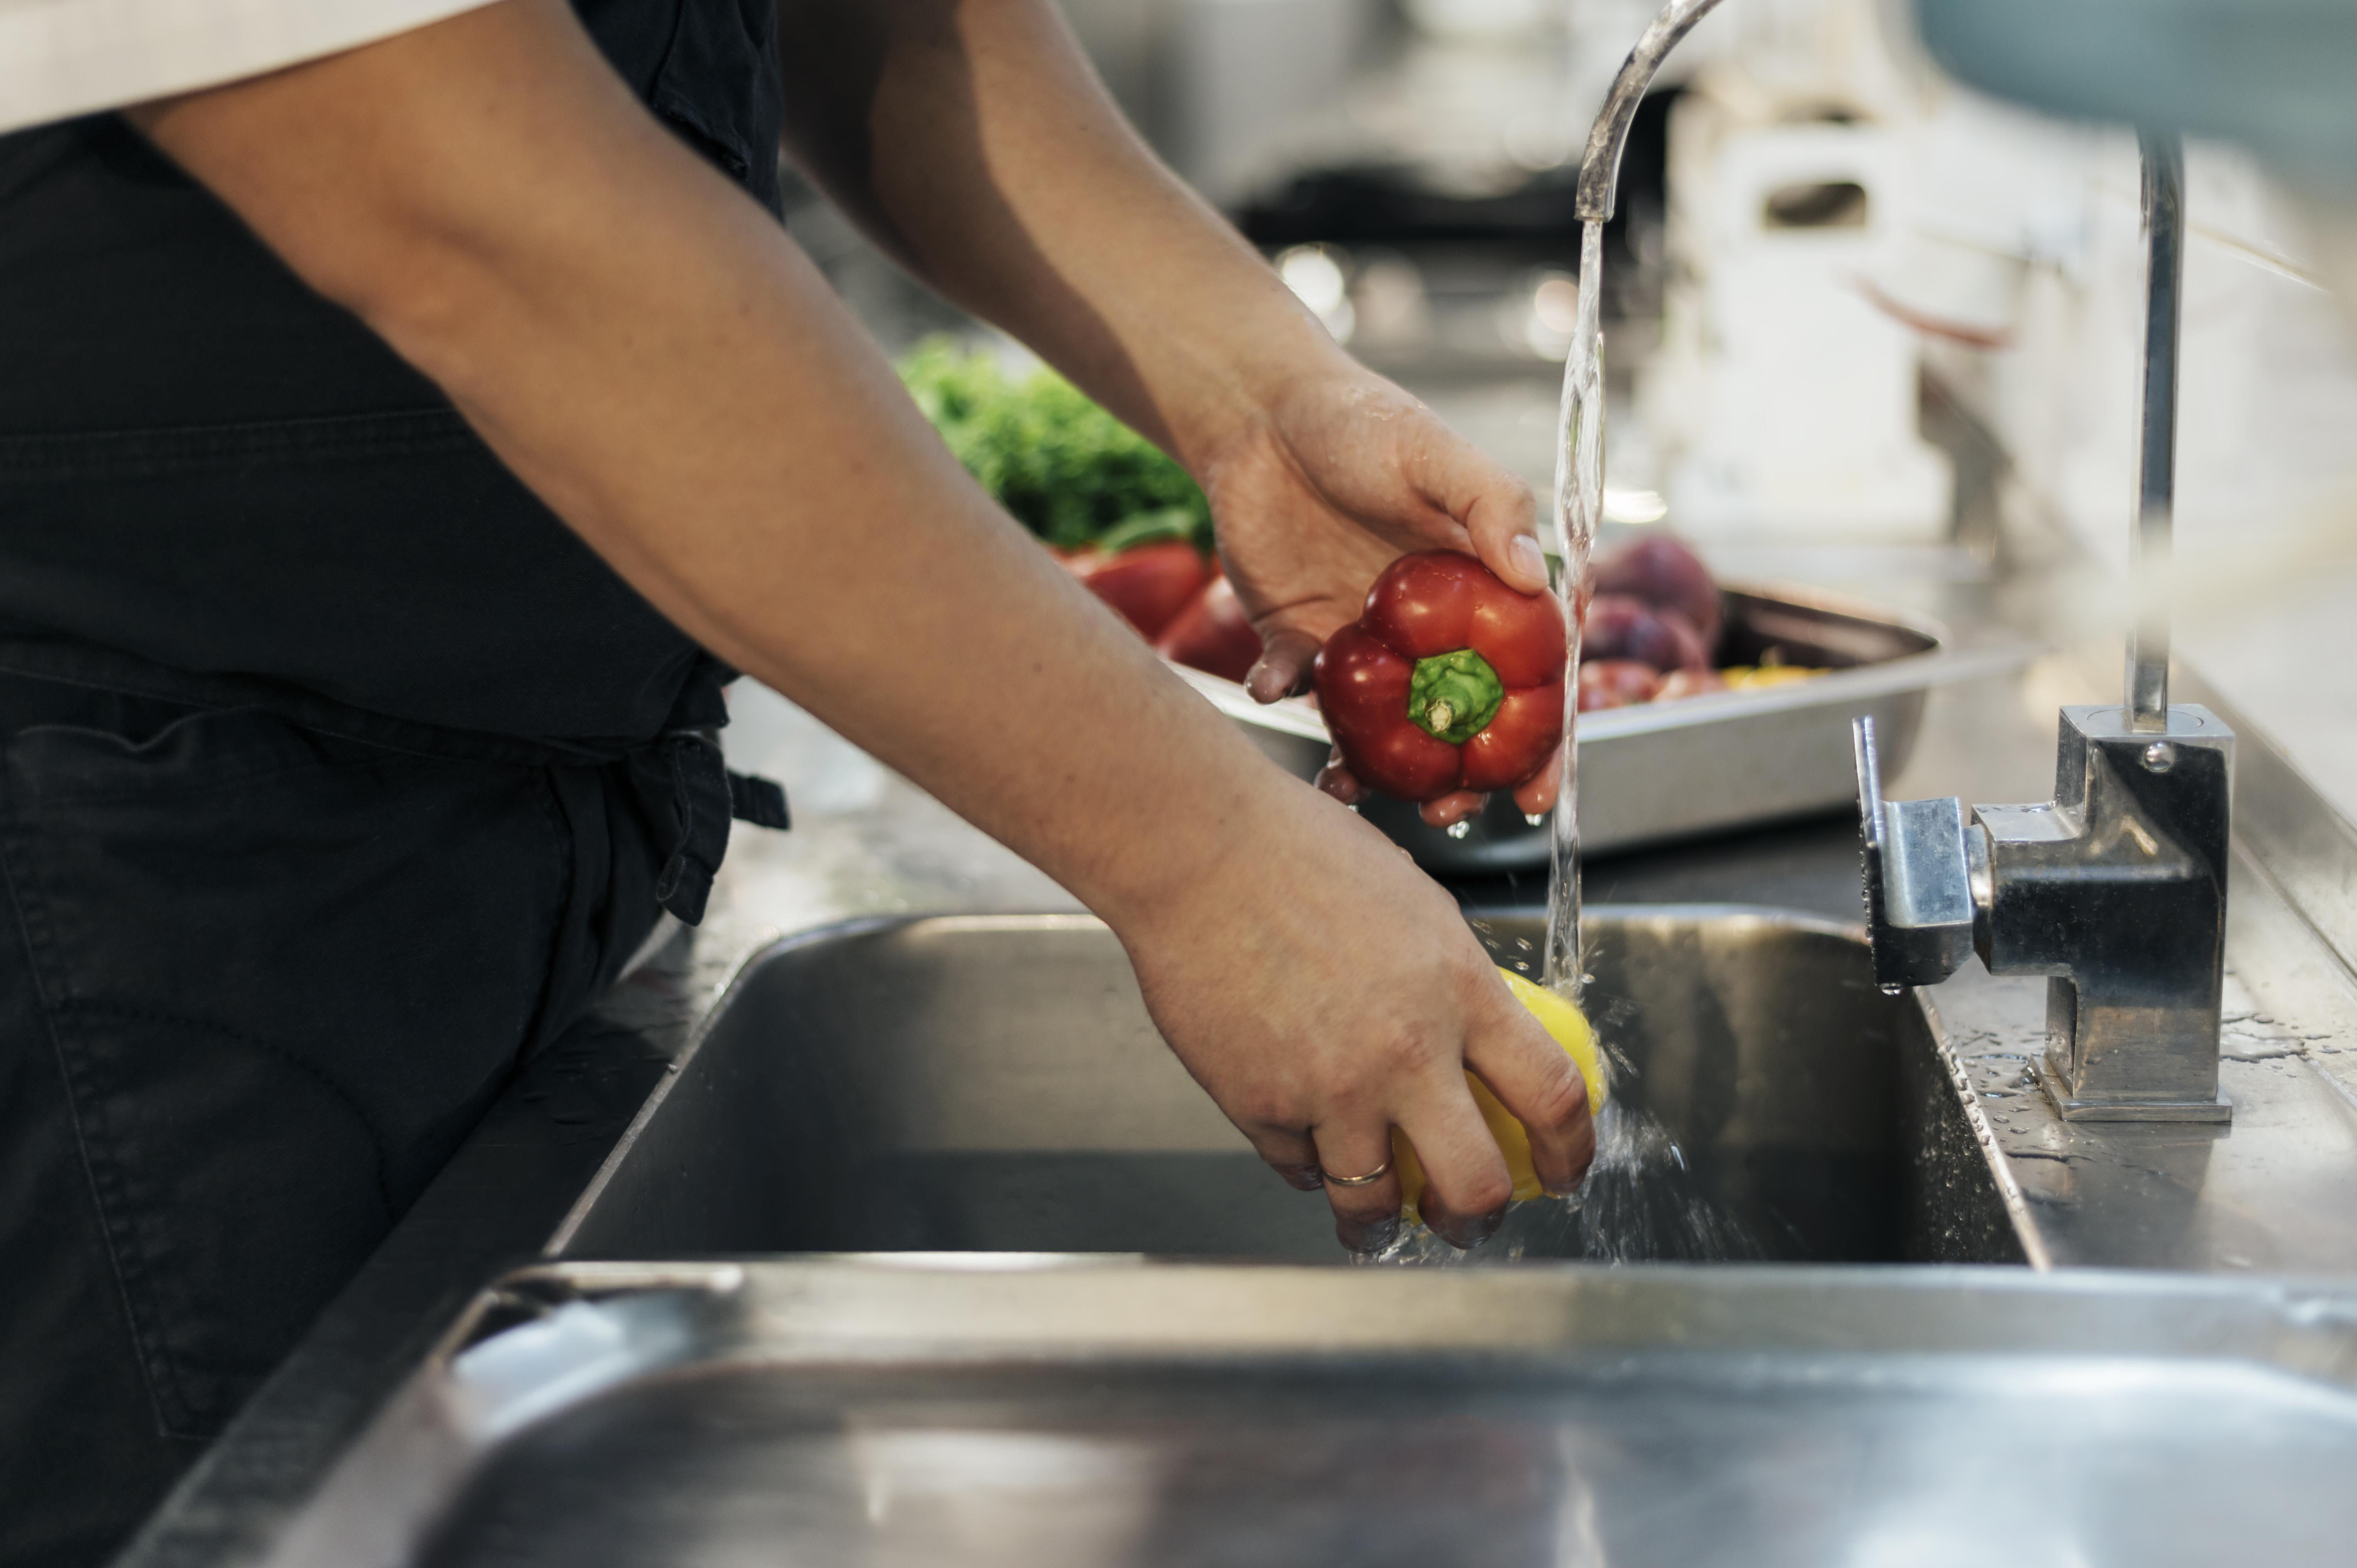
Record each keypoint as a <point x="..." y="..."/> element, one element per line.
<point x="655" y="358"/>
<point x="972" y="138"/>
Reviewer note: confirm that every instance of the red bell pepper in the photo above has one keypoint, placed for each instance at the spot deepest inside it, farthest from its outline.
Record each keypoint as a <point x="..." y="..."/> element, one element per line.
<point x="1147" y="583"/>
<point x="1450" y="681"/>
<point x="1213" y="633"/>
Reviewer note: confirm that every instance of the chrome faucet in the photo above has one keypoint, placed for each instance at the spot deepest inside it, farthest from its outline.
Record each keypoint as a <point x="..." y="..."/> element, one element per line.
<point x="2115" y="889"/>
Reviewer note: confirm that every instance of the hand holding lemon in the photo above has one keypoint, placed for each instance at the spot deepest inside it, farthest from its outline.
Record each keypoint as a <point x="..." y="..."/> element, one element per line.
<point x="1562" y="1022"/>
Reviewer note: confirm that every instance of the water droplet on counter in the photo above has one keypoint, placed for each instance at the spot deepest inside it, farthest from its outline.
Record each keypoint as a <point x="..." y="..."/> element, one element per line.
<point x="1457" y="830"/>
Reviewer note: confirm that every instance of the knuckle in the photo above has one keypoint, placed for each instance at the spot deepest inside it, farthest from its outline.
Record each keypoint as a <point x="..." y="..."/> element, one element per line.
<point x="1469" y="965"/>
<point x="1394" y="1055"/>
<point x="1264" y="1113"/>
<point x="1485" y="1193"/>
<point x="1280" y="1150"/>
<point x="1304" y="1179"/>
<point x="1561" y="1098"/>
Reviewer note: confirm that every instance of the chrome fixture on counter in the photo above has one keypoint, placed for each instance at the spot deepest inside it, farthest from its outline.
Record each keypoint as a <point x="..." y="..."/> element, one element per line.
<point x="1607" y="139"/>
<point x="2115" y="889"/>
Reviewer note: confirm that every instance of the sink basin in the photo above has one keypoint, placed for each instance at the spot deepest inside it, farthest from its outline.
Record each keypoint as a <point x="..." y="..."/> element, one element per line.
<point x="993" y="1084"/>
<point x="1126" y="1413"/>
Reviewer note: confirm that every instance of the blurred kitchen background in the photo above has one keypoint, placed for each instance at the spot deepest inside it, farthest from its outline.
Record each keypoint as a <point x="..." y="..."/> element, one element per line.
<point x="1862" y="322"/>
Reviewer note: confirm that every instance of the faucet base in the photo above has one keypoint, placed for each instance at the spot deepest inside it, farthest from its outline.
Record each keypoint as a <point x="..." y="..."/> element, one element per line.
<point x="2216" y="1110"/>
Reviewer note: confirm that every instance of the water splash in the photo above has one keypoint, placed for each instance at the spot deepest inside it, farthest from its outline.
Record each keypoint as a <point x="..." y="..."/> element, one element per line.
<point x="1641" y="1203"/>
<point x="1578" y="506"/>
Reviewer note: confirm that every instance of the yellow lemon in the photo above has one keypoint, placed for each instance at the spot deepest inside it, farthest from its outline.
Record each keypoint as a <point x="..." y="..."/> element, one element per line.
<point x="1561" y="1020"/>
<point x="1759" y="678"/>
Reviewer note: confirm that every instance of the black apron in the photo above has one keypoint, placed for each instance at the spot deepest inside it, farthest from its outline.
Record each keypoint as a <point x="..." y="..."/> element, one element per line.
<point x="336" y="775"/>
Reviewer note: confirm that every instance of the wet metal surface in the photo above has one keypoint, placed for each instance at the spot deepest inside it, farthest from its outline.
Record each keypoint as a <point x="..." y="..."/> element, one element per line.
<point x="2275" y="1193"/>
<point x="993" y="1084"/>
<point x="1046" y="1411"/>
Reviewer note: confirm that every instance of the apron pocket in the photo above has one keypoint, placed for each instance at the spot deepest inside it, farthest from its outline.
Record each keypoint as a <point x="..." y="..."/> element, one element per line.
<point x="284" y="974"/>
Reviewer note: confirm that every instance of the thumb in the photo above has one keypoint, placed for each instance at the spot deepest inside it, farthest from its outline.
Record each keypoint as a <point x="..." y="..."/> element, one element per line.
<point x="1284" y="663"/>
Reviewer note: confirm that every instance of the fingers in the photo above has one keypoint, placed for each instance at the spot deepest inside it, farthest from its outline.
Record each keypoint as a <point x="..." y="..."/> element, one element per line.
<point x="1466" y="1183"/>
<point x="1536" y="795"/>
<point x="1366" y="1218"/>
<point x="1451" y="807"/>
<point x="1290" y="1154"/>
<point x="1496" y="508"/>
<point x="1534" y="1080"/>
<point x="1337" y="780"/>
<point x="1283" y="665"/>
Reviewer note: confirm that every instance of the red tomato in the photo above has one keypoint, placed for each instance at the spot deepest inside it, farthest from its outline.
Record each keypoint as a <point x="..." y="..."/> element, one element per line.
<point x="1147" y="583"/>
<point x="1213" y="633"/>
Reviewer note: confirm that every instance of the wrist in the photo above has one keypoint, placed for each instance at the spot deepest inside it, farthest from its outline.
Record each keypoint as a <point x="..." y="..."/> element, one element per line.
<point x="1187" y="879"/>
<point x="1257" y="369"/>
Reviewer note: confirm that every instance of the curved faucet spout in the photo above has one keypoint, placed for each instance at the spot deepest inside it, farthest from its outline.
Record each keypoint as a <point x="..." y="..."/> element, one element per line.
<point x="1599" y="171"/>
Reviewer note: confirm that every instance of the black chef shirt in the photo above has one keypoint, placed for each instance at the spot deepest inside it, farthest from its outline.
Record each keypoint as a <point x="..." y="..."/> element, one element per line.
<point x="207" y="468"/>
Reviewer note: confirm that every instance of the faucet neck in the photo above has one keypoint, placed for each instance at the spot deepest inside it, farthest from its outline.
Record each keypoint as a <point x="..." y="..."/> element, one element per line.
<point x="2164" y="234"/>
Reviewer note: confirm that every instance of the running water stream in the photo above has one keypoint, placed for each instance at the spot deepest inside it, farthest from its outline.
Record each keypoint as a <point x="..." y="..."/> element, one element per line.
<point x="1578" y="503"/>
<point x="1640" y="1202"/>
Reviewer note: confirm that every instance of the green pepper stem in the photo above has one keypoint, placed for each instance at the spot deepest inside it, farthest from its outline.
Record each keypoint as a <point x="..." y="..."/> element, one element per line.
<point x="1453" y="696"/>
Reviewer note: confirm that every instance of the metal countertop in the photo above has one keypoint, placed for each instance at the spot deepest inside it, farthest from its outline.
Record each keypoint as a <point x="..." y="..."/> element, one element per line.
<point x="2275" y="1192"/>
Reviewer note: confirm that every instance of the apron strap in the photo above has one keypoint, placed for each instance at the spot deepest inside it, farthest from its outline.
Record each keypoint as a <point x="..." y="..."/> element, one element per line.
<point x="758" y="800"/>
<point x="682" y="775"/>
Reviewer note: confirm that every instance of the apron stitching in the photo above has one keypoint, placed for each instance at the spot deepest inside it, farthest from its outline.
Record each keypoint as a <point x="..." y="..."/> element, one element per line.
<point x="561" y="830"/>
<point x="305" y="710"/>
<point x="122" y="1246"/>
<point x="231" y="781"/>
<point x="178" y="449"/>
<point x="671" y="47"/>
<point x="139" y="1014"/>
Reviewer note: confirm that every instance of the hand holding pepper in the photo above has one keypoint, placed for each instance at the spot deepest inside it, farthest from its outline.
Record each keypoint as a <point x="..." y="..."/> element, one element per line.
<point x="1334" y="479"/>
<point x="1449" y="681"/>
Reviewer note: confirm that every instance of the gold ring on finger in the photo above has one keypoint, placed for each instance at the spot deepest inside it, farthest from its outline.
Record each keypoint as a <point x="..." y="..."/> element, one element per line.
<point x="1369" y="1179"/>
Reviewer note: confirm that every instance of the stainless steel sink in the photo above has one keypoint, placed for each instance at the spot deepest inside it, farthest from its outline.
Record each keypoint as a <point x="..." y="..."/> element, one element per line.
<point x="981" y="1408"/>
<point x="992" y="1084"/>
<point x="1101" y="1413"/>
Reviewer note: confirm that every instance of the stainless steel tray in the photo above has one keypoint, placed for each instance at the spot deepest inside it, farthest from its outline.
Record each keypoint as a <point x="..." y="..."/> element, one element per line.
<point x="1704" y="765"/>
<point x="1060" y="1413"/>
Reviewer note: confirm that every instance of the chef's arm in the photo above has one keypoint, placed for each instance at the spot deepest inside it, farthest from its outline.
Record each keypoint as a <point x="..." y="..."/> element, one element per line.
<point x="648" y="350"/>
<point x="973" y="140"/>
